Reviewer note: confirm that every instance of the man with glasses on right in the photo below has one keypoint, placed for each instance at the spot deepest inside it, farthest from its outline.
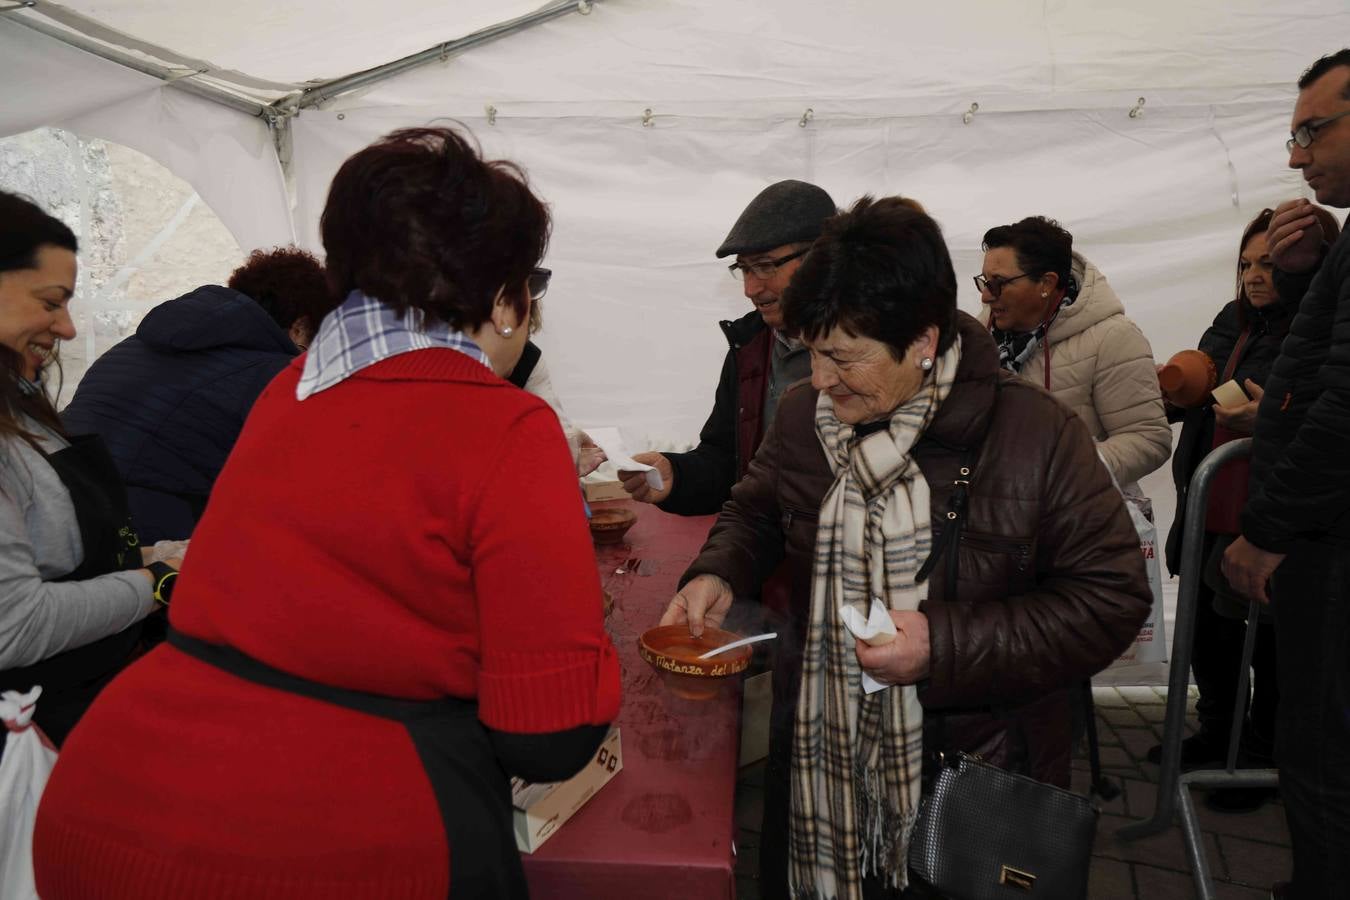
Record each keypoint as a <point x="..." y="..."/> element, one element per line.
<point x="1296" y="525"/>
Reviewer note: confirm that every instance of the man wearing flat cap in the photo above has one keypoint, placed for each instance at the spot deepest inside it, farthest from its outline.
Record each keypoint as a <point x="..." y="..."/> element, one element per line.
<point x="768" y="240"/>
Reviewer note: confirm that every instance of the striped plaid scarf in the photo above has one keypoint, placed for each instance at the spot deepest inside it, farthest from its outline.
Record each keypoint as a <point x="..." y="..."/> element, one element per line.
<point x="856" y="757"/>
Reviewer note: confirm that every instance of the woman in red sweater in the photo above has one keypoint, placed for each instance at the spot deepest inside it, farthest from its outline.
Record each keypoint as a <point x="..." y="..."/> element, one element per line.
<point x="391" y="601"/>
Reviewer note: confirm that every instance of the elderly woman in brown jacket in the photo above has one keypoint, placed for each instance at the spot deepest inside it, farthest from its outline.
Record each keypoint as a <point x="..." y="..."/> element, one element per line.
<point x="967" y="503"/>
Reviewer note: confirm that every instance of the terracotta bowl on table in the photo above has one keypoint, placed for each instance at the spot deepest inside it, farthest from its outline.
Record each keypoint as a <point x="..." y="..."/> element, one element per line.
<point x="1187" y="378"/>
<point x="609" y="525"/>
<point x="674" y="652"/>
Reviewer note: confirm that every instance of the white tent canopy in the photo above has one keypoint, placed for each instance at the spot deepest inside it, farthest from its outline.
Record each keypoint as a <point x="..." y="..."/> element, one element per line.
<point x="648" y="125"/>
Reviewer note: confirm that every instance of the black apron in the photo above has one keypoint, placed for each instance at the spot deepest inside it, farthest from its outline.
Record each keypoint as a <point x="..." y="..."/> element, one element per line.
<point x="472" y="792"/>
<point x="72" y="679"/>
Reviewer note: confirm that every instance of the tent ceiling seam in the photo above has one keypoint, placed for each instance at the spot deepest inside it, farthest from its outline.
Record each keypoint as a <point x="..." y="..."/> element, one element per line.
<point x="91" y="36"/>
<point x="318" y="94"/>
<point x="178" y="79"/>
<point x="95" y="30"/>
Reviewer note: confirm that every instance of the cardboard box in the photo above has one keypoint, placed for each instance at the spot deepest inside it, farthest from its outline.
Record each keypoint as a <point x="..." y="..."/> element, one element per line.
<point x="541" y="809"/>
<point x="756" y="705"/>
<point x="603" y="490"/>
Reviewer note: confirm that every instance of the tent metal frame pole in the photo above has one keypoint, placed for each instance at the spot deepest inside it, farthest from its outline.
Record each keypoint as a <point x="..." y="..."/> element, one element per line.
<point x="321" y="93"/>
<point x="180" y="80"/>
<point x="283" y="108"/>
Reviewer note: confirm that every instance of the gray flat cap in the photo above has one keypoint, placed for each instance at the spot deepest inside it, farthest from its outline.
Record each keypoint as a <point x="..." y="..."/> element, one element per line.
<point x="784" y="213"/>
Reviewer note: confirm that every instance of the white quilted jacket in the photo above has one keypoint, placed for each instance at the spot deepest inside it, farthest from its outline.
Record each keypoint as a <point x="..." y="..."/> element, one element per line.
<point x="1101" y="367"/>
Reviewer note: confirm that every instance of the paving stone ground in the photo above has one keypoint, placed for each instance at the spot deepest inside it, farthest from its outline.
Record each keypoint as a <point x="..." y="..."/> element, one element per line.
<point x="1246" y="851"/>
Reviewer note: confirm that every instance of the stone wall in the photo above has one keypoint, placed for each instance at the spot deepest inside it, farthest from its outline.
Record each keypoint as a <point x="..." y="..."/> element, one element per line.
<point x="145" y="236"/>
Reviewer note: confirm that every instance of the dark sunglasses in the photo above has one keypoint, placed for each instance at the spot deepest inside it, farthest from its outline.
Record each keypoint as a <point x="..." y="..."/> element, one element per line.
<point x="537" y="283"/>
<point x="996" y="284"/>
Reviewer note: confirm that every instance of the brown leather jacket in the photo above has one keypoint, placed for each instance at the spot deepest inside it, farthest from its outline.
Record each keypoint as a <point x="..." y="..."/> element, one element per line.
<point x="1051" y="585"/>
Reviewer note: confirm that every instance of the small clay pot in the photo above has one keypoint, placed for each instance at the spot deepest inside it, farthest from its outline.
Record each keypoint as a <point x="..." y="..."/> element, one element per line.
<point x="1188" y="378"/>
<point x="608" y="526"/>
<point x="674" y="652"/>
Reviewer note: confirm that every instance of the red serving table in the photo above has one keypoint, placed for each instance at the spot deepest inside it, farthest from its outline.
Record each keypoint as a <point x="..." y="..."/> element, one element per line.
<point x="663" y="827"/>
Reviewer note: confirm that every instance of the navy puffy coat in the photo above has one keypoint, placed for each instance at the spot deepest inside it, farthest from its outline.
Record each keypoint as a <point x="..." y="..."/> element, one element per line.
<point x="170" y="400"/>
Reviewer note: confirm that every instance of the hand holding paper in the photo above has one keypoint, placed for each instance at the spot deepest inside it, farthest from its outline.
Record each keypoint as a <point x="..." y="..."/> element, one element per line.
<point x="876" y="630"/>
<point x="1240" y="416"/>
<point x="903" y="659"/>
<point x="609" y="440"/>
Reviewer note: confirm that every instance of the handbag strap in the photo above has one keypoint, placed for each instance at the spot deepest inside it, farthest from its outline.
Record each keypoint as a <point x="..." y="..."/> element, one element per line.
<point x="1231" y="366"/>
<point x="957" y="506"/>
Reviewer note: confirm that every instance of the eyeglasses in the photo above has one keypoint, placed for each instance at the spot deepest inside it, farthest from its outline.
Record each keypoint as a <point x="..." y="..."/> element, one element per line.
<point x="537" y="283"/>
<point x="996" y="284"/>
<point x="765" y="268"/>
<point x="1307" y="132"/>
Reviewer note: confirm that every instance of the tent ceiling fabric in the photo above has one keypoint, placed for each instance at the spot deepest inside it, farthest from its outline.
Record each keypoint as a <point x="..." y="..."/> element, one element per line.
<point x="861" y="58"/>
<point x="297" y="41"/>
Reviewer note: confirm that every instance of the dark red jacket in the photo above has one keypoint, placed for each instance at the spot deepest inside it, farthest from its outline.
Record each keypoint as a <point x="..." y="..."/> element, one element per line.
<point x="704" y="475"/>
<point x="1051" y="586"/>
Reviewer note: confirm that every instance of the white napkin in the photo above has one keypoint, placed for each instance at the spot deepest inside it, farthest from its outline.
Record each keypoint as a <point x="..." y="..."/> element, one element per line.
<point x="609" y="440"/>
<point x="163" y="550"/>
<point x="875" y="630"/>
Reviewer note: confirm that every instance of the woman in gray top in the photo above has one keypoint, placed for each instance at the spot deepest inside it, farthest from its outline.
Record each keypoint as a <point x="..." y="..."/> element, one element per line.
<point x="73" y="587"/>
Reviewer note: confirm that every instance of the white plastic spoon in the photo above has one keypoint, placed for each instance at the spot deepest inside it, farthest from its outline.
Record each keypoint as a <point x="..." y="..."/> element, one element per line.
<point x="741" y="643"/>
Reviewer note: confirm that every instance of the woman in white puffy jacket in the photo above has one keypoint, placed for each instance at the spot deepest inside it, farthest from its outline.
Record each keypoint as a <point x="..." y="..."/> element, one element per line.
<point x="1059" y="324"/>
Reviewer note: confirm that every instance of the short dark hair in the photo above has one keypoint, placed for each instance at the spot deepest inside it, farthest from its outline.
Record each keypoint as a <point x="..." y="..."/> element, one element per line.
<point x="1040" y="245"/>
<point x="419" y="220"/>
<point x="288" y="283"/>
<point x="1325" y="65"/>
<point x="24" y="228"/>
<point x="881" y="270"/>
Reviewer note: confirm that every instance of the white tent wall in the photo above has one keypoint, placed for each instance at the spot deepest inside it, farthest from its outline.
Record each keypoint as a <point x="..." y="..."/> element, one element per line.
<point x="226" y="155"/>
<point x="630" y="322"/>
<point x="1158" y="201"/>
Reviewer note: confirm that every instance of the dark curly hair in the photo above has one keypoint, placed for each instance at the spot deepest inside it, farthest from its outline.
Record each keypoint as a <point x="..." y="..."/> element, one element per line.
<point x="880" y="270"/>
<point x="419" y="220"/>
<point x="1040" y="244"/>
<point x="289" y="283"/>
<point x="25" y="228"/>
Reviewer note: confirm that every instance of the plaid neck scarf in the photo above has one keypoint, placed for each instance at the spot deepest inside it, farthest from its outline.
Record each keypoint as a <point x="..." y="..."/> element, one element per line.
<point x="856" y="757"/>
<point x="363" y="331"/>
<point x="1016" y="347"/>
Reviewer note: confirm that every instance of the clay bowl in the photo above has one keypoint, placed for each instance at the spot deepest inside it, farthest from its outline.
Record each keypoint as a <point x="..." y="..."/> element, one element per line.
<point x="1188" y="378"/>
<point x="608" y="526"/>
<point x="674" y="652"/>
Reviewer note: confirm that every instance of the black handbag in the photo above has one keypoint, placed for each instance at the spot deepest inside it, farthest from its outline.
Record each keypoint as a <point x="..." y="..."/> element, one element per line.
<point x="987" y="834"/>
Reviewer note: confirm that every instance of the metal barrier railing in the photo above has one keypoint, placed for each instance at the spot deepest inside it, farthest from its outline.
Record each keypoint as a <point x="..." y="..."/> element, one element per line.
<point x="1173" y="785"/>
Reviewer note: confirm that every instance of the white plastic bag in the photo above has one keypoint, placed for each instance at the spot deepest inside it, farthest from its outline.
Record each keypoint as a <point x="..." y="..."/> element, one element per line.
<point x="1150" y="644"/>
<point x="27" y="761"/>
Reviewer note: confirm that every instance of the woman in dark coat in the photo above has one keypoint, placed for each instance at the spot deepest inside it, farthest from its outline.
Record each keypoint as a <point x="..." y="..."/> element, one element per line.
<point x="1243" y="342"/>
<point x="909" y="445"/>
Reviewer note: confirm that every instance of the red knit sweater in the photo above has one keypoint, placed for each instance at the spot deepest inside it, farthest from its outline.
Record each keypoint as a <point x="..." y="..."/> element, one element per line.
<point x="415" y="531"/>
